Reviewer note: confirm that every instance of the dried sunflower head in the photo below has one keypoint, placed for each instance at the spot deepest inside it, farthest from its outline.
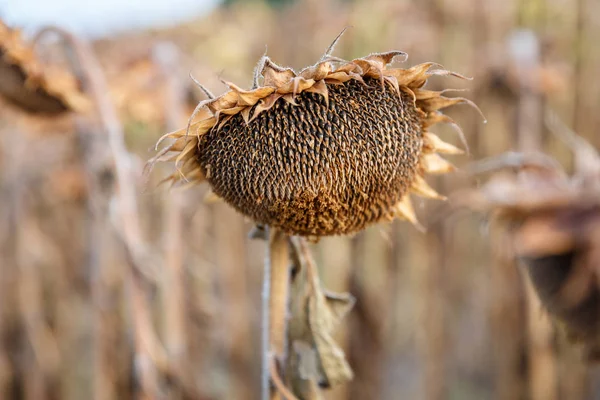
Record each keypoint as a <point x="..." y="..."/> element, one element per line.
<point x="31" y="85"/>
<point x="553" y="221"/>
<point x="329" y="150"/>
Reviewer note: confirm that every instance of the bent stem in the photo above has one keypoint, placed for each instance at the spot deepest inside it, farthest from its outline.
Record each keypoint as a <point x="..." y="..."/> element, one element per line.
<point x="276" y="282"/>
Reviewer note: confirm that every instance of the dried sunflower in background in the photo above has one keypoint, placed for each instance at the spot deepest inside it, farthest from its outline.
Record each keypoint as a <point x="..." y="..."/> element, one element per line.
<point x="553" y="221"/>
<point x="30" y="84"/>
<point x="326" y="151"/>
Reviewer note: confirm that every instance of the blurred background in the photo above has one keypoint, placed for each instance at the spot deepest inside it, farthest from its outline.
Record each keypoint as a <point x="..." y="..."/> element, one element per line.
<point x="90" y="294"/>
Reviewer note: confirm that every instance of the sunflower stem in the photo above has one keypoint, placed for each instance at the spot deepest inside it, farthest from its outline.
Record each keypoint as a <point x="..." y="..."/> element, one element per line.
<point x="274" y="306"/>
<point x="265" y="374"/>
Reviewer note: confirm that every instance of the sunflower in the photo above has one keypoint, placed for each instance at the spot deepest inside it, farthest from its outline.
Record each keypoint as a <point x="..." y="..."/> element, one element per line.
<point x="31" y="84"/>
<point x="325" y="151"/>
<point x="552" y="221"/>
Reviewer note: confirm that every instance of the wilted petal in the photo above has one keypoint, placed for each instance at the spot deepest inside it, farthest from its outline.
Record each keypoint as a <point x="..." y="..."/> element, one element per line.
<point x="405" y="210"/>
<point x="443" y="72"/>
<point x="226" y="100"/>
<point x="184" y="154"/>
<point x="338" y="77"/>
<point x="350" y="67"/>
<point x="320" y="88"/>
<point x="422" y="188"/>
<point x="276" y="76"/>
<point x="370" y="69"/>
<point x="423" y="94"/>
<point x="211" y="197"/>
<point x="249" y="97"/>
<point x="296" y="85"/>
<point x="393" y="82"/>
<point x="316" y="72"/>
<point x="245" y="113"/>
<point x="232" y="111"/>
<point x="290" y="99"/>
<point x="413" y="77"/>
<point x="266" y="104"/>
<point x="384" y="59"/>
<point x="435" y="164"/>
<point x="438" y="103"/>
<point x="432" y="143"/>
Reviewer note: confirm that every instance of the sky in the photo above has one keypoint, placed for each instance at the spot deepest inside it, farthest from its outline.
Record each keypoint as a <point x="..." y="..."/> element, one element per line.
<point x="98" y="18"/>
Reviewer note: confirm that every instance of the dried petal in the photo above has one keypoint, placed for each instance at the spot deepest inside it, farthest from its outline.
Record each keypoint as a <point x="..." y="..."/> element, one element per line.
<point x="386" y="58"/>
<point x="405" y="210"/>
<point x="432" y="143"/>
<point x="249" y="97"/>
<point x="276" y="76"/>
<point x="211" y="197"/>
<point x="422" y="188"/>
<point x="316" y="72"/>
<point x="434" y="164"/>
<point x="320" y="87"/>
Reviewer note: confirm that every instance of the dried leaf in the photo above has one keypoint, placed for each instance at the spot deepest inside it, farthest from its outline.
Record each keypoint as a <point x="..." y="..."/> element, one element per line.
<point x="315" y="313"/>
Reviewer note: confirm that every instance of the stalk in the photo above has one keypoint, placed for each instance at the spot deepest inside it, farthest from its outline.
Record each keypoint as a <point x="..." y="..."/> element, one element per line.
<point x="276" y="282"/>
